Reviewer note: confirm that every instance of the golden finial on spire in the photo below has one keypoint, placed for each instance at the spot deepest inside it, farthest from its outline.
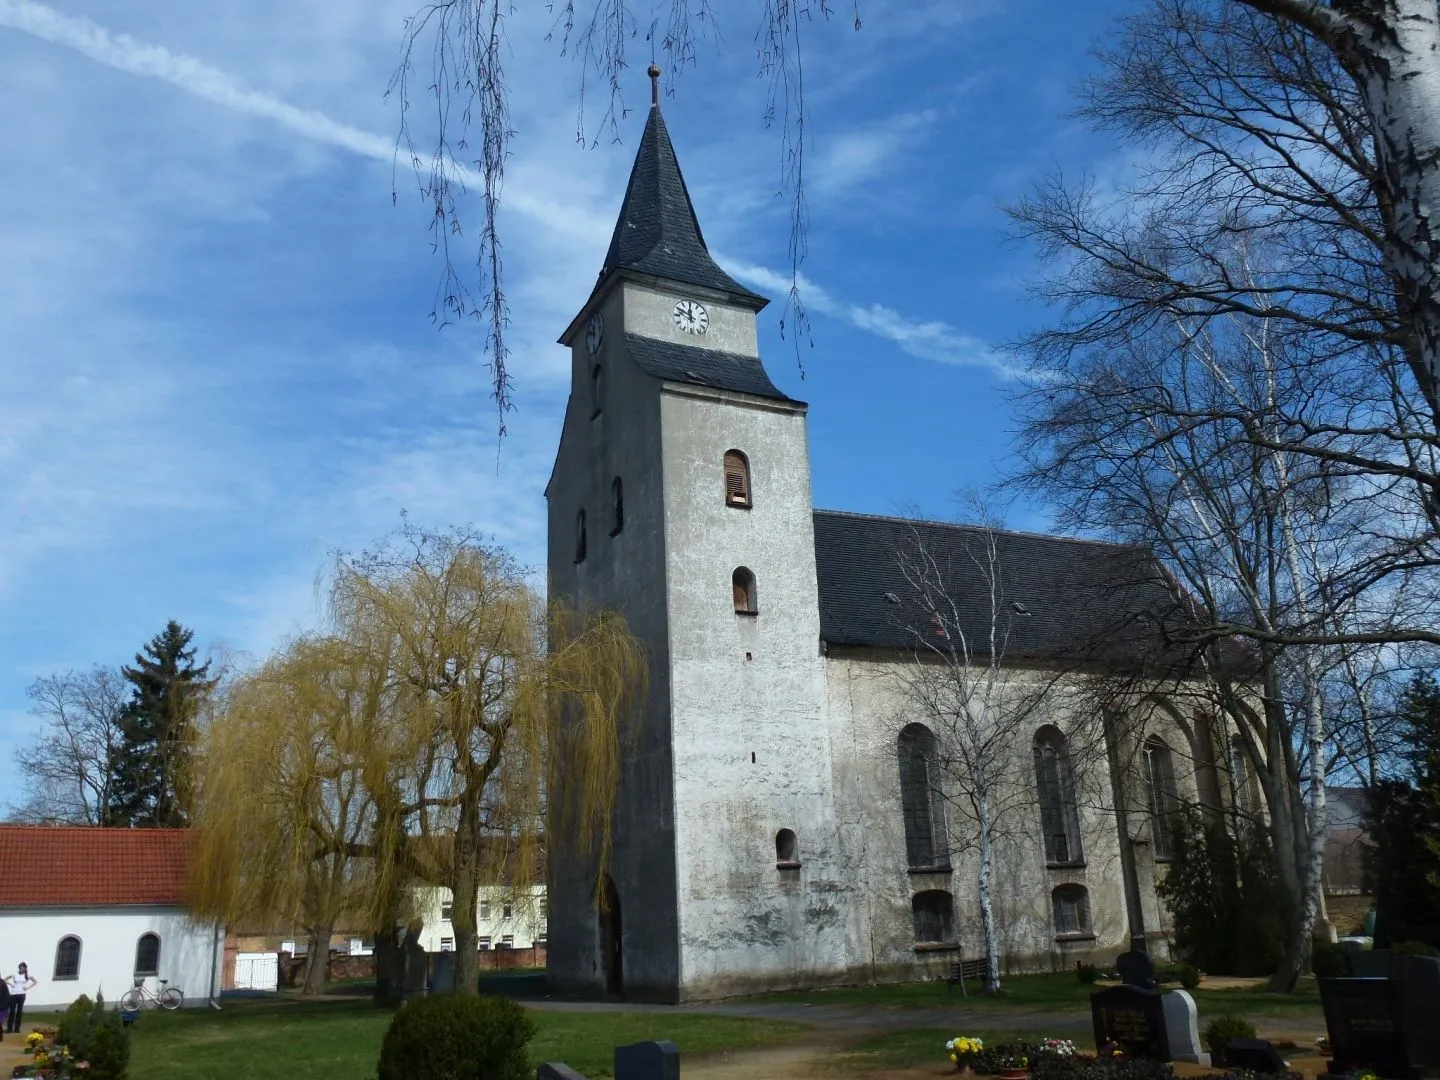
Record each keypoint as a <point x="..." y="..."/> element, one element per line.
<point x="654" y="74"/>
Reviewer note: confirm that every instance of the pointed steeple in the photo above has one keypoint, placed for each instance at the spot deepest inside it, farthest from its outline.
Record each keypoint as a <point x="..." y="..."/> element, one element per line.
<point x="657" y="232"/>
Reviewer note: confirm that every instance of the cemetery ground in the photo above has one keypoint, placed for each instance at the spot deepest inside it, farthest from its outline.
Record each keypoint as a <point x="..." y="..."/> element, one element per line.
<point x="890" y="1032"/>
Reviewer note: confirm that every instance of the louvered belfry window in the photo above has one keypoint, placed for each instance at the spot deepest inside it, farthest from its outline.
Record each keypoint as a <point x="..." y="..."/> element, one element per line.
<point x="737" y="479"/>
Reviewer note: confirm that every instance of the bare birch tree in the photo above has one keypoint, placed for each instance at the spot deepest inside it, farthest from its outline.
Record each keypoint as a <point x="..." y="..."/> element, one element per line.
<point x="981" y="705"/>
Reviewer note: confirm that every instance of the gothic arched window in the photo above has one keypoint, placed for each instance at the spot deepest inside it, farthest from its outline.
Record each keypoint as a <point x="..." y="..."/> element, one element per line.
<point x="1240" y="778"/>
<point x="924" y="810"/>
<point x="1071" y="906"/>
<point x="580" y="537"/>
<point x="67" y="958"/>
<point x="147" y="955"/>
<point x="737" y="479"/>
<point x="934" y="914"/>
<point x="1163" y="796"/>
<point x="742" y="582"/>
<point x="1059" y="820"/>
<point x="617" y="505"/>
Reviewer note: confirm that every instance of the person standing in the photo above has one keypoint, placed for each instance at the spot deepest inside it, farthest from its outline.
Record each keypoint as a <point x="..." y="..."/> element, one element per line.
<point x="18" y="984"/>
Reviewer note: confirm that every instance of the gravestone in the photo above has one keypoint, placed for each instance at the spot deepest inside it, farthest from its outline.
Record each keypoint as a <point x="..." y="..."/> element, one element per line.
<point x="442" y="972"/>
<point x="1182" y="1028"/>
<point x="655" y="1060"/>
<point x="1135" y="969"/>
<point x="1419" y="992"/>
<point x="1254" y="1055"/>
<point x="1362" y="1017"/>
<point x="417" y="967"/>
<point x="1132" y="1019"/>
<point x="557" y="1070"/>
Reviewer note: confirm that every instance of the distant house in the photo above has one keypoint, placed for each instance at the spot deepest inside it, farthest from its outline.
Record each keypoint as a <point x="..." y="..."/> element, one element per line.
<point x="504" y="918"/>
<point x="1345" y="840"/>
<point x="99" y="910"/>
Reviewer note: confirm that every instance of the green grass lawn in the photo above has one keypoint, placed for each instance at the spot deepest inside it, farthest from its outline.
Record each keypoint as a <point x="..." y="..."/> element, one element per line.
<point x="333" y="1040"/>
<point x="1059" y="992"/>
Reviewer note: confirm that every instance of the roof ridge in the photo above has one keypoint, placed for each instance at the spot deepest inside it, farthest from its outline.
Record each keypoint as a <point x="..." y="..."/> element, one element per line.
<point x="960" y="525"/>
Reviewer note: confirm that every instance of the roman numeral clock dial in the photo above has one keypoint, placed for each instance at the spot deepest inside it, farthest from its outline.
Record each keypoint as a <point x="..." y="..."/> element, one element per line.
<point x="691" y="317"/>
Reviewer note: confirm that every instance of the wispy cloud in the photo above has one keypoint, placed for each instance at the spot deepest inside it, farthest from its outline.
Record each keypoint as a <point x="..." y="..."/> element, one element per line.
<point x="863" y="153"/>
<point x="927" y="340"/>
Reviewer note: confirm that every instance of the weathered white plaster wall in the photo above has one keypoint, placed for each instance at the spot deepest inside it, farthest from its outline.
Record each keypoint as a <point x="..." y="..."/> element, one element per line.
<point x="650" y="311"/>
<point x="191" y="954"/>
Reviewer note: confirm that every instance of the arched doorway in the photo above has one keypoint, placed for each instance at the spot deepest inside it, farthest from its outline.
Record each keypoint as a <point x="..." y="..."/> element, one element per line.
<point x="612" y="950"/>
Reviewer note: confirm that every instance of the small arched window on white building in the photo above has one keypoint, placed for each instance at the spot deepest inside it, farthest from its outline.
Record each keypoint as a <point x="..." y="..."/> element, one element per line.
<point x="1163" y="796"/>
<point x="1071" y="905"/>
<point x="67" y="958"/>
<point x="737" y="479"/>
<point x="934" y="913"/>
<point x="742" y="583"/>
<point x="1059" y="819"/>
<point x="787" y="850"/>
<point x="147" y="955"/>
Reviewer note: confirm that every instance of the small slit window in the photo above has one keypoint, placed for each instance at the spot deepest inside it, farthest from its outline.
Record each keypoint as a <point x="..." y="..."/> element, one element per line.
<point x="580" y="537"/>
<point x="597" y="388"/>
<point x="737" y="479"/>
<point x="67" y="958"/>
<point x="787" y="852"/>
<point x="743" y="584"/>
<point x="147" y="955"/>
<point x="617" y="506"/>
<point x="1071" y="904"/>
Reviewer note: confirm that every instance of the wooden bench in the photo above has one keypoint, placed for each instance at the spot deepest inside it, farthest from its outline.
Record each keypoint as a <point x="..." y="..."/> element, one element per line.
<point x="962" y="970"/>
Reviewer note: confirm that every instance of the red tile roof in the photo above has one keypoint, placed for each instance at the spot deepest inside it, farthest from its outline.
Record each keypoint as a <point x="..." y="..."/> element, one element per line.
<point x="76" y="866"/>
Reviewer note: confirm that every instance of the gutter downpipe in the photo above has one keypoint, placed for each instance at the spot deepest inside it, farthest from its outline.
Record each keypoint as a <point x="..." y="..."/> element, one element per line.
<point x="214" y="945"/>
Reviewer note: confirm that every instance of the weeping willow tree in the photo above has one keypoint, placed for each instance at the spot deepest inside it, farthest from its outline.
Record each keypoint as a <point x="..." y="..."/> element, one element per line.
<point x="416" y="745"/>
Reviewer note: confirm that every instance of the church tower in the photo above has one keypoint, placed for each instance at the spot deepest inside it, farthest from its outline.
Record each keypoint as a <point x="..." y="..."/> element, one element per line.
<point x="680" y="497"/>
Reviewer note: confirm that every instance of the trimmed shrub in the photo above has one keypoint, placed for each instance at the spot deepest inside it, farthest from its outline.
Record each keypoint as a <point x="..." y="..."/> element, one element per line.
<point x="1223" y="1030"/>
<point x="1087" y="973"/>
<point x="1413" y="948"/>
<point x="76" y="1016"/>
<point x="457" y="1037"/>
<point x="1329" y="961"/>
<point x="1189" y="976"/>
<point x="96" y="1035"/>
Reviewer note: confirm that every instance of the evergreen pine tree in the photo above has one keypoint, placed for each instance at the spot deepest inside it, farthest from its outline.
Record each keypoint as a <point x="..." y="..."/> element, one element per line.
<point x="156" y="730"/>
<point x="1404" y="826"/>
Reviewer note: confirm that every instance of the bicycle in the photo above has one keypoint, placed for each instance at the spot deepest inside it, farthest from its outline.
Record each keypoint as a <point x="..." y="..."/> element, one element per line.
<point x="169" y="997"/>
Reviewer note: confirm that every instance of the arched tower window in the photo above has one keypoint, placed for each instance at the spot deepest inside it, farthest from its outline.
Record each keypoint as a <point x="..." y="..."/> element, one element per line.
<point x="580" y="537"/>
<point x="1071" y="905"/>
<point x="617" y="506"/>
<point x="67" y="958"/>
<point x="742" y="582"/>
<point x="1240" y="778"/>
<point x="787" y="851"/>
<point x="1163" y="796"/>
<point x="934" y="913"/>
<point x="924" y="810"/>
<point x="1059" y="820"/>
<point x="147" y="955"/>
<point x="597" y="387"/>
<point x="737" y="479"/>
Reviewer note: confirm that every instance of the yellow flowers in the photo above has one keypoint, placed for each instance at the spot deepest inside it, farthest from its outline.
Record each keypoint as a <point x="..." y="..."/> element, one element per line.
<point x="963" y="1044"/>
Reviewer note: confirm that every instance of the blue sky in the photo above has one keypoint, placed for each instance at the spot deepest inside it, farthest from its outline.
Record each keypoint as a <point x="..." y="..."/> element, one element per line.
<point x="217" y="363"/>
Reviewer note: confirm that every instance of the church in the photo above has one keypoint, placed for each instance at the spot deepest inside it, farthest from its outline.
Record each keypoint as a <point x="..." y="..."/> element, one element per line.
<point x="790" y="813"/>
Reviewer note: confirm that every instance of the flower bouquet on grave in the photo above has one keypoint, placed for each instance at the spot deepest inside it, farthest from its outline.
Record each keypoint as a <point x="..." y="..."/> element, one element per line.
<point x="1057" y="1047"/>
<point x="1014" y="1063"/>
<point x="963" y="1051"/>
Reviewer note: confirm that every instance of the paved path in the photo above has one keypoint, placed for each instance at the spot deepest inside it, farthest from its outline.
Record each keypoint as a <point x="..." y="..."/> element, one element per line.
<point x="852" y="1017"/>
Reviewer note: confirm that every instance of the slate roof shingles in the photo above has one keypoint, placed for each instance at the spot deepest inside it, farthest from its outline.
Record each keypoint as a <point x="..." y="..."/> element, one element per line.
<point x="80" y="866"/>
<point x="703" y="367"/>
<point x="1081" y="599"/>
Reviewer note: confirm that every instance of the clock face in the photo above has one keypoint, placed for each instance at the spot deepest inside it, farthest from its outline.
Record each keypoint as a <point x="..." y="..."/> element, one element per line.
<point x="691" y="317"/>
<point x="594" y="332"/>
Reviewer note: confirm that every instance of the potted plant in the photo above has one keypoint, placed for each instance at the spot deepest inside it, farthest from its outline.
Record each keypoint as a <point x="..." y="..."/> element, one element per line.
<point x="1014" y="1064"/>
<point x="963" y="1050"/>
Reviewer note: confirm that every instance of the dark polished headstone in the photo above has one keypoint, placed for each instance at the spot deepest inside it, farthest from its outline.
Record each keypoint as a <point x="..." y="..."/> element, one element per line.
<point x="442" y="972"/>
<point x="1131" y="1018"/>
<point x="557" y="1070"/>
<point x="1419" y="981"/>
<point x="655" y="1060"/>
<point x="1363" y="1018"/>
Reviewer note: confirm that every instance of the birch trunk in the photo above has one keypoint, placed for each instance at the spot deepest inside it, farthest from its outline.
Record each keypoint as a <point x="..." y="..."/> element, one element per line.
<point x="987" y="908"/>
